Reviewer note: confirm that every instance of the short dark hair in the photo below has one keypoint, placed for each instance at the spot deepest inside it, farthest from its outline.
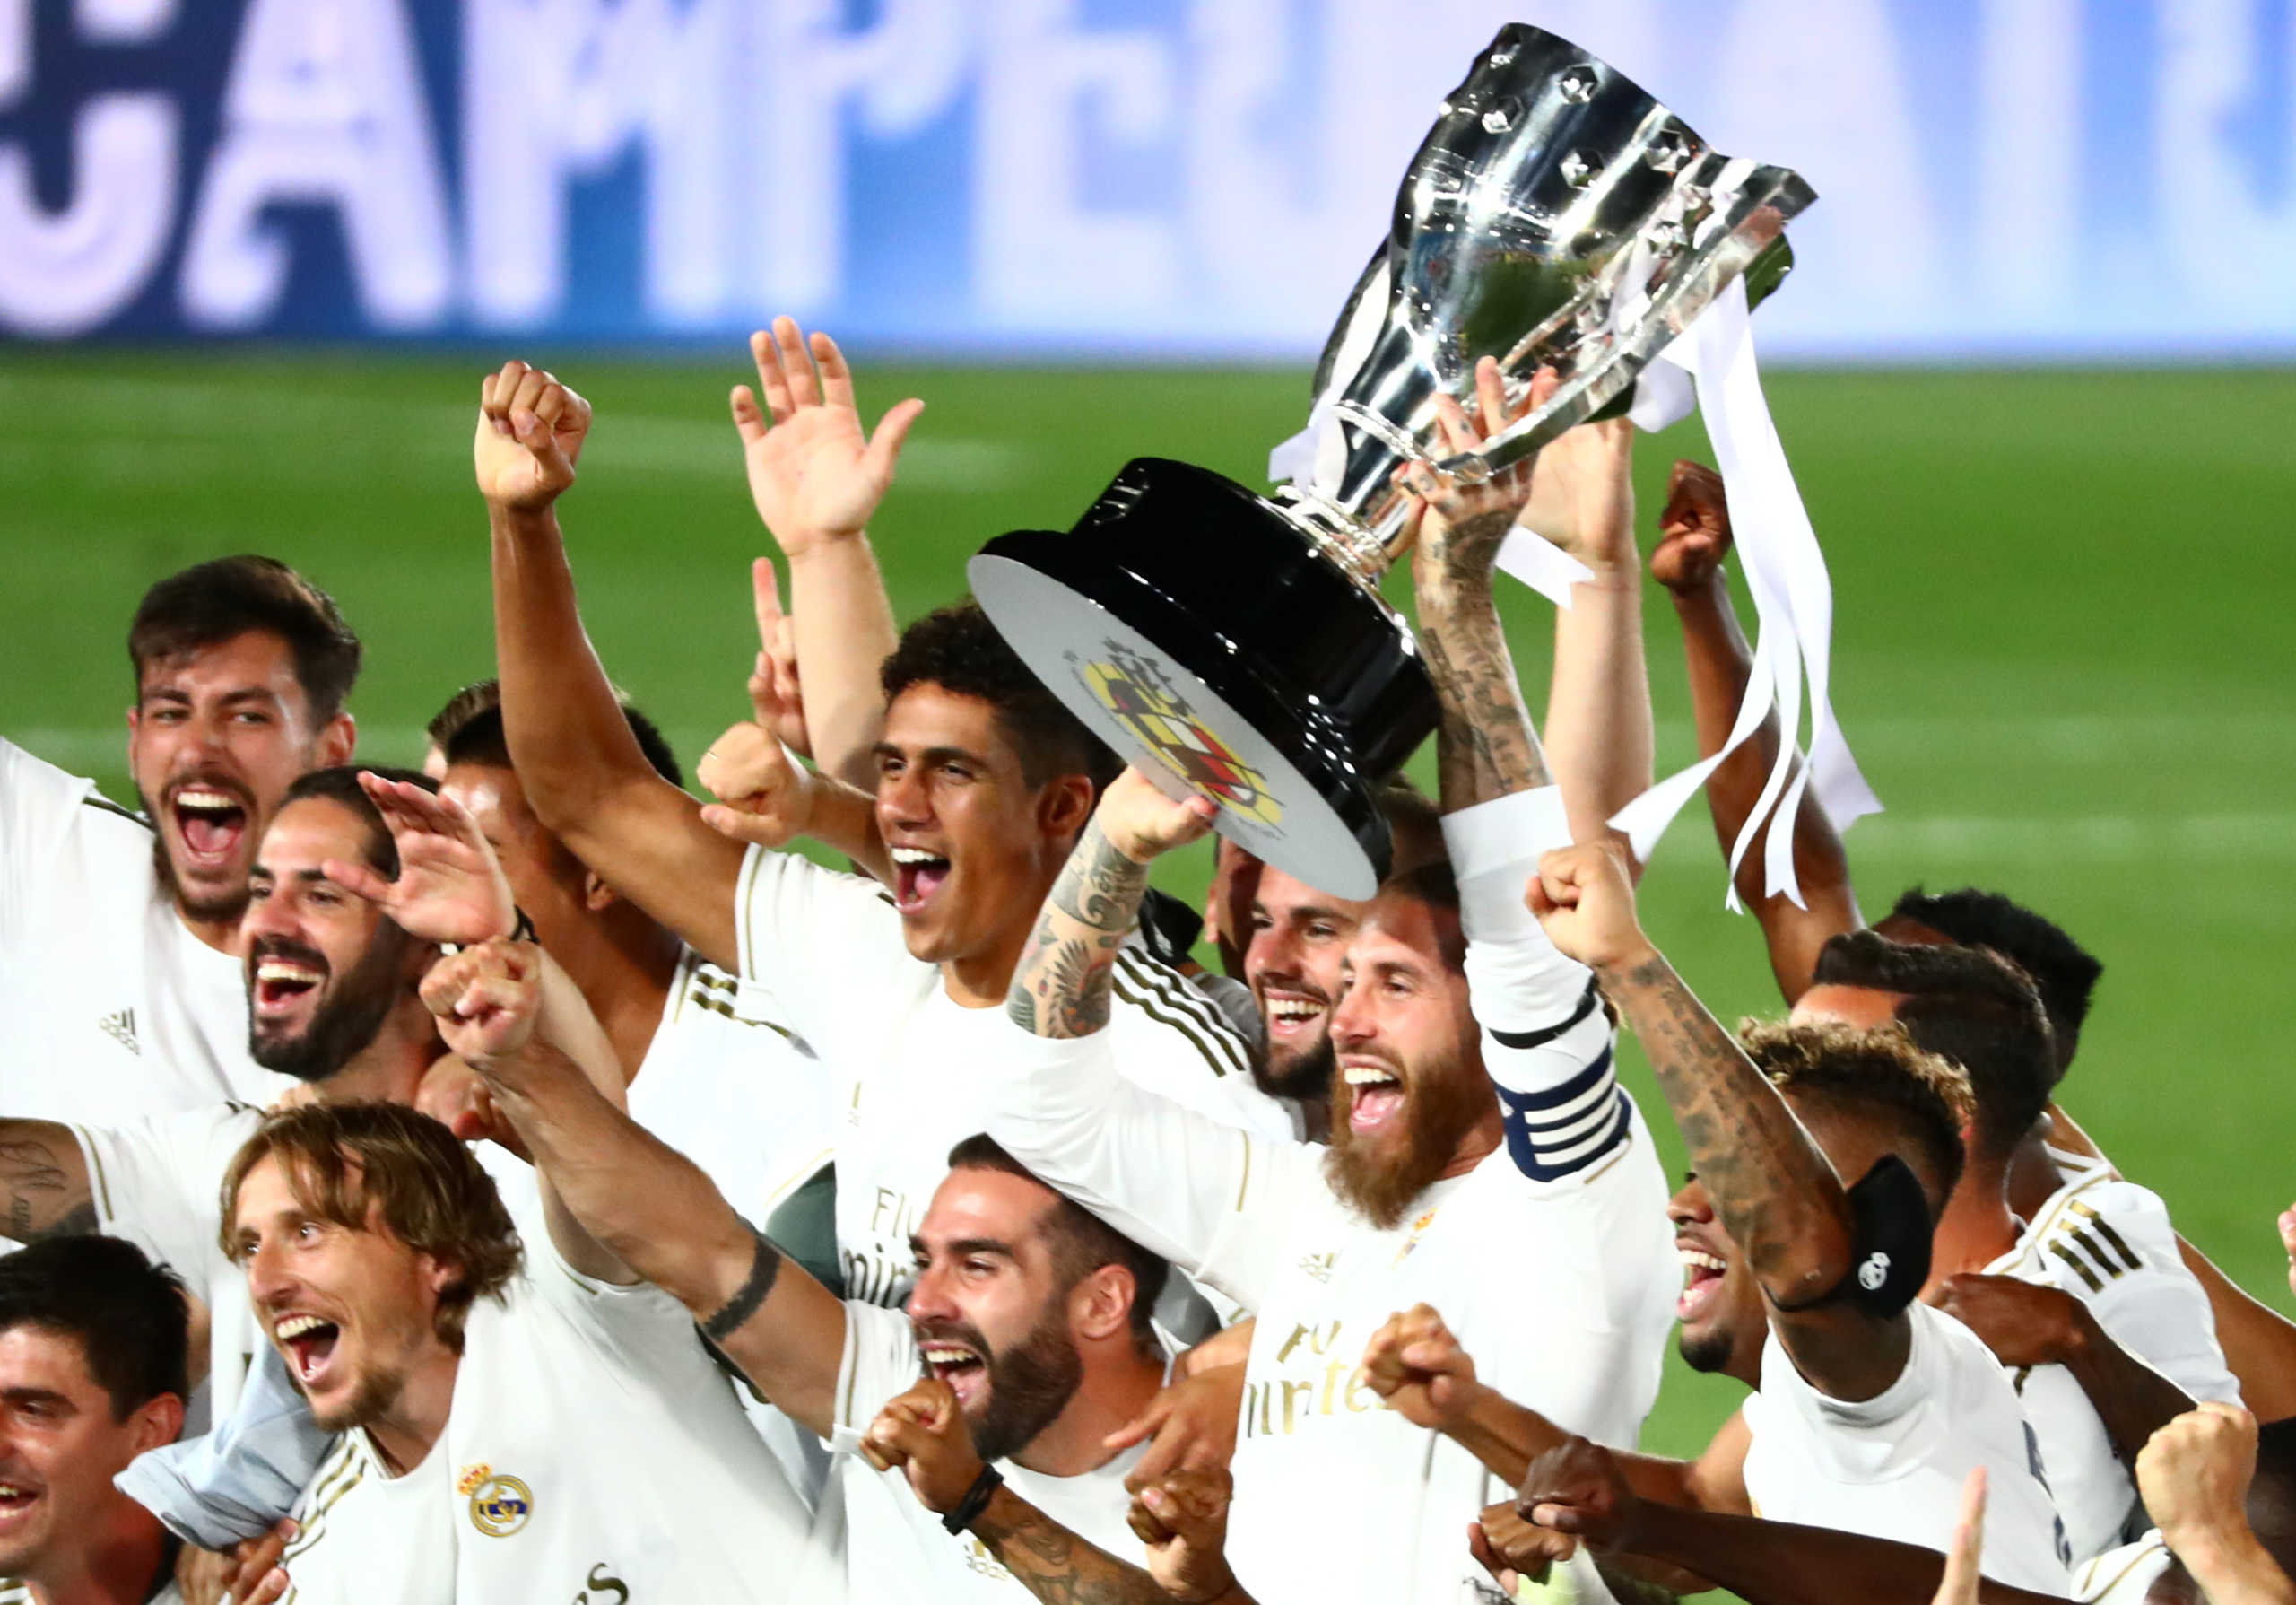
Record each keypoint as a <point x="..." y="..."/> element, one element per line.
<point x="2064" y="971"/>
<point x="1081" y="1241"/>
<point x="1434" y="885"/>
<point x="128" y="1315"/>
<point x="1878" y="1077"/>
<point x="210" y="603"/>
<point x="1414" y="825"/>
<point x="432" y="1192"/>
<point x="469" y="730"/>
<point x="1968" y="1005"/>
<point x="340" y="784"/>
<point x="957" y="648"/>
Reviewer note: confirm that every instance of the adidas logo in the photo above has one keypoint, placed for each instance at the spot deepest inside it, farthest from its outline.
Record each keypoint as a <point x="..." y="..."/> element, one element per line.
<point x="121" y="1028"/>
<point x="1318" y="1265"/>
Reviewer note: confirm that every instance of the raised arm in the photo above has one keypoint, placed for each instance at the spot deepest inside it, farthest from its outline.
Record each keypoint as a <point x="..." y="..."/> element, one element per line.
<point x="817" y="479"/>
<point x="1165" y="1175"/>
<point x="581" y="767"/>
<point x="1695" y="535"/>
<point x="1485" y="748"/>
<point x="656" y="1213"/>
<point x="1774" y="1190"/>
<point x="1597" y="734"/>
<point x="504" y="1008"/>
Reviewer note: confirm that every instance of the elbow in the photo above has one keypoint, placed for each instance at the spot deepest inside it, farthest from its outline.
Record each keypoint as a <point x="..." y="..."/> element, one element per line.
<point x="1803" y="1267"/>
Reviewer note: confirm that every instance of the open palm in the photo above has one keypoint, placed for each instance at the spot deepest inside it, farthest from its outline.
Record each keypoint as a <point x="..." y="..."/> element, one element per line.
<point x="449" y="887"/>
<point x="813" y="473"/>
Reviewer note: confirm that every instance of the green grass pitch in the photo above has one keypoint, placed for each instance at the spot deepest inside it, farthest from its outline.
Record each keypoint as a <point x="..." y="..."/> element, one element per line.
<point x="2062" y="648"/>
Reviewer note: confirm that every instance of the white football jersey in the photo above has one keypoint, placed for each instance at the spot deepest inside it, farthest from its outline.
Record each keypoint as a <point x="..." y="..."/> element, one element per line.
<point x="2110" y="1245"/>
<point x="731" y="1085"/>
<point x="109" y="1007"/>
<point x="1552" y="1260"/>
<point x="908" y="1064"/>
<point x="898" y="1549"/>
<point x="2123" y="1576"/>
<point x="158" y="1183"/>
<point x="1892" y="1466"/>
<point x="593" y="1451"/>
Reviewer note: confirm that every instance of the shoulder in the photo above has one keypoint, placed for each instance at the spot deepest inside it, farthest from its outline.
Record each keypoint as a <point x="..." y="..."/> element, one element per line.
<point x="2095" y="1231"/>
<point x="702" y="995"/>
<point x="1157" y="1001"/>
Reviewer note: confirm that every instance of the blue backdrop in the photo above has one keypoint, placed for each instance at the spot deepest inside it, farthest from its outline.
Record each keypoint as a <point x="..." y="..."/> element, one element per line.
<point x="1996" y="177"/>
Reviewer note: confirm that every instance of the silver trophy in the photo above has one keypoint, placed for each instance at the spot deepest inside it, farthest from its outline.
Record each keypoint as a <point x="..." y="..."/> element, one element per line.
<point x="1555" y="216"/>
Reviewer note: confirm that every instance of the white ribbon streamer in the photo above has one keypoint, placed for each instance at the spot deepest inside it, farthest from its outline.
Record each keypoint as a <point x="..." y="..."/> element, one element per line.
<point x="1793" y="598"/>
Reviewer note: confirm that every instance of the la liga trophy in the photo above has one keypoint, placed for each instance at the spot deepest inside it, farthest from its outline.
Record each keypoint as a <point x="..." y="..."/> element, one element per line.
<point x="1238" y="645"/>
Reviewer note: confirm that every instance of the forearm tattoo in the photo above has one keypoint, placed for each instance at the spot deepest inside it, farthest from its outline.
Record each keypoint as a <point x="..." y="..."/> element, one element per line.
<point x="1485" y="743"/>
<point x="1067" y="974"/>
<point x="1054" y="1564"/>
<point x="1765" y="1177"/>
<point x="46" y="1181"/>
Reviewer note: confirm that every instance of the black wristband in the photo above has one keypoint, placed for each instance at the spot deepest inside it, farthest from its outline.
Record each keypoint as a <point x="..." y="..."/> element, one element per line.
<point x="765" y="1264"/>
<point x="976" y="1500"/>
<point x="523" y="930"/>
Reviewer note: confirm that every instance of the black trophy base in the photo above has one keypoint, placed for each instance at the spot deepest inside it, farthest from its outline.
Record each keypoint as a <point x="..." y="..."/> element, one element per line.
<point x="1199" y="633"/>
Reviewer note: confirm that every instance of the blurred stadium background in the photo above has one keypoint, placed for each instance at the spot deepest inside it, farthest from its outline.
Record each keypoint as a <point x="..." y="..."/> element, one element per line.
<point x="2036" y="371"/>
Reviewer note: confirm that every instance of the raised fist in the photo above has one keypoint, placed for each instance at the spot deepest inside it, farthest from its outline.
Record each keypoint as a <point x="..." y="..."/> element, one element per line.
<point x="1583" y="896"/>
<point x="530" y="432"/>
<point x="1693" y="529"/>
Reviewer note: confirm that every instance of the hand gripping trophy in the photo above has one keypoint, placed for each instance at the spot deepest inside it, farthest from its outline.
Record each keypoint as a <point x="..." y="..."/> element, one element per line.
<point x="1556" y="215"/>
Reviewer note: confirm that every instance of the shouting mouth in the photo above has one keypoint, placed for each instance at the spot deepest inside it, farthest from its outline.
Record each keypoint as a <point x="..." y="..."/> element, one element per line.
<point x="1375" y="1097"/>
<point x="918" y="875"/>
<point x="1702" y="1274"/>
<point x="16" y="1500"/>
<point x="1293" y="1018"/>
<point x="281" y="983"/>
<point x="210" y="822"/>
<point x="310" y="1344"/>
<point x="958" y="1364"/>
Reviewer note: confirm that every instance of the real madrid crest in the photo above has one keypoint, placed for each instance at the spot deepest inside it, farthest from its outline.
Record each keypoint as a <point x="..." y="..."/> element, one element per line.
<point x="499" y="1503"/>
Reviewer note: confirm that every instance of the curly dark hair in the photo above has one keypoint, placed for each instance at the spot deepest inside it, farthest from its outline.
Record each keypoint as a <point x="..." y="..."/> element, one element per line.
<point x="2065" y="972"/>
<point x="957" y="648"/>
<point x="1878" y="1078"/>
<point x="1968" y="1005"/>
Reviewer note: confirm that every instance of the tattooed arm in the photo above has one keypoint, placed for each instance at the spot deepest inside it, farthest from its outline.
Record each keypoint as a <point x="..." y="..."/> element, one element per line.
<point x="1485" y="748"/>
<point x="1775" y="1191"/>
<point x="1068" y="968"/>
<point x="45" y="1178"/>
<point x="1061" y="1568"/>
<point x="923" y="1435"/>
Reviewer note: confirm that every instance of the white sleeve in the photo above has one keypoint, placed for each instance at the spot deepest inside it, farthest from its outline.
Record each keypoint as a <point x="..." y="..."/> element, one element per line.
<point x="634" y="1327"/>
<point x="2154" y="1307"/>
<point x="818" y="939"/>
<point x="1546" y="1040"/>
<point x="157" y="1183"/>
<point x="1172" y="1039"/>
<point x="880" y="1363"/>
<point x="38" y="805"/>
<point x="1210" y="1198"/>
